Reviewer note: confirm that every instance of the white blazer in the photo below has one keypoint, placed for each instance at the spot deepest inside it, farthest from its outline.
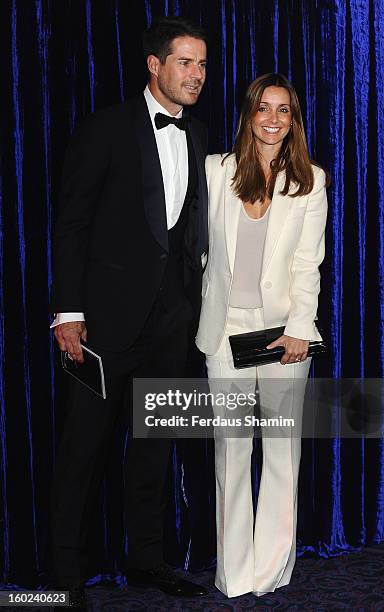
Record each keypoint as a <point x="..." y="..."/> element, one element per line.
<point x="293" y="251"/>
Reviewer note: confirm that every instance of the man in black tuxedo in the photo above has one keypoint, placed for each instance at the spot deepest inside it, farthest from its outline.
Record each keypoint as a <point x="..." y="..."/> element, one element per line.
<point x="130" y="234"/>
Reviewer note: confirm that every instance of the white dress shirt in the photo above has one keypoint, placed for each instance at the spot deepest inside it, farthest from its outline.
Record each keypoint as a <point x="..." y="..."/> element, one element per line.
<point x="173" y="153"/>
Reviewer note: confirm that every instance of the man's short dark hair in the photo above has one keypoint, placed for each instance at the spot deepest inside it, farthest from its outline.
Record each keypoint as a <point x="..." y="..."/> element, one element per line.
<point x="157" y="40"/>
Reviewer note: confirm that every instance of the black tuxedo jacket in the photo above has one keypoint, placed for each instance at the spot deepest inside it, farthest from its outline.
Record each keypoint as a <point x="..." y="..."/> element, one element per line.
<point x="111" y="240"/>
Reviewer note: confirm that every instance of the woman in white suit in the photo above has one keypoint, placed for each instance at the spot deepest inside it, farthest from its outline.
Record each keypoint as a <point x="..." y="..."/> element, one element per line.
<point x="267" y="214"/>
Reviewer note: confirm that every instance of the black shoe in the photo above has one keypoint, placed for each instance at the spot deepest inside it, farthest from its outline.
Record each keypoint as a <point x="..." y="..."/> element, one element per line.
<point x="164" y="578"/>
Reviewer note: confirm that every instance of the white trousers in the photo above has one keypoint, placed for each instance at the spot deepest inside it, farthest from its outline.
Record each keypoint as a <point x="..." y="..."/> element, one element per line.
<point x="257" y="558"/>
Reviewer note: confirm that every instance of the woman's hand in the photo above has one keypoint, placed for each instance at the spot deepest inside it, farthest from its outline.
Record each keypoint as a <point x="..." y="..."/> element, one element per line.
<point x="295" y="349"/>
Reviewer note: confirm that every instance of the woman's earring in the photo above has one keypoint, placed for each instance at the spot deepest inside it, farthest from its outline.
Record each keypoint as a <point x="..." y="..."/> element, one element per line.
<point x="291" y="123"/>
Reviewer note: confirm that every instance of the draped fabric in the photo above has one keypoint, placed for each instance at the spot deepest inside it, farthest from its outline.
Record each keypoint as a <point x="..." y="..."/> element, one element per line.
<point x="62" y="59"/>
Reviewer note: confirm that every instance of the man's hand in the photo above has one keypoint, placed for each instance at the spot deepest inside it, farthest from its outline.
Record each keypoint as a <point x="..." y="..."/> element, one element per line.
<point x="295" y="349"/>
<point x="68" y="337"/>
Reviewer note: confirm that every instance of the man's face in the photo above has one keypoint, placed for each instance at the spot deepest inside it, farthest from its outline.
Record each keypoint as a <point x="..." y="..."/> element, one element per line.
<point x="178" y="82"/>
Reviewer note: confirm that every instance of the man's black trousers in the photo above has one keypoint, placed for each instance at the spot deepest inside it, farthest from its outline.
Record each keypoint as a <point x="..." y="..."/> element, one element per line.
<point x="160" y="351"/>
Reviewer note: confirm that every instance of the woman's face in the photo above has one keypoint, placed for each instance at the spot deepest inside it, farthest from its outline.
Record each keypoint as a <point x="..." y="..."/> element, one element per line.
<point x="272" y="120"/>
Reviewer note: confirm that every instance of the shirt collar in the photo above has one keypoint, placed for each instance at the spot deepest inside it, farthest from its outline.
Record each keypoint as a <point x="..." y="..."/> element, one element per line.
<point x="155" y="107"/>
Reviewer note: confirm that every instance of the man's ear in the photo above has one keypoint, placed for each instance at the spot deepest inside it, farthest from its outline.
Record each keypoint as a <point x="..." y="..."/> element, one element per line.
<point x="153" y="63"/>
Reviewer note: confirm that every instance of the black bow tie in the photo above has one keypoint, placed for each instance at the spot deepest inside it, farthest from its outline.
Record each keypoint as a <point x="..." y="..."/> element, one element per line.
<point x="162" y="120"/>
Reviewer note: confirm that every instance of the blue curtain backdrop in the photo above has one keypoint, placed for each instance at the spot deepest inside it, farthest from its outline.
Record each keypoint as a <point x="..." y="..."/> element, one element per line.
<point x="61" y="59"/>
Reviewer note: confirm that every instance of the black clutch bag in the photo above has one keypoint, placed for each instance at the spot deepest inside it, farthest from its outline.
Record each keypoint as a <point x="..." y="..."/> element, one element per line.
<point x="249" y="349"/>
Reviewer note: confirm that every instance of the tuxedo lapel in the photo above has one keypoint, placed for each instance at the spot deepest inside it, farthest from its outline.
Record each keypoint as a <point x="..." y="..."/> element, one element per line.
<point x="152" y="179"/>
<point x="202" y="208"/>
<point x="192" y="170"/>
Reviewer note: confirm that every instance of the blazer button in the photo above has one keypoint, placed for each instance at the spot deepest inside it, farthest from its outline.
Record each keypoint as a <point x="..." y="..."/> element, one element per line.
<point x="163" y="256"/>
<point x="267" y="284"/>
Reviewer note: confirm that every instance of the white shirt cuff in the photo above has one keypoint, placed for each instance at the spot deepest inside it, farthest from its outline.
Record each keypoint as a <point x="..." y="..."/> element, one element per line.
<point x="67" y="317"/>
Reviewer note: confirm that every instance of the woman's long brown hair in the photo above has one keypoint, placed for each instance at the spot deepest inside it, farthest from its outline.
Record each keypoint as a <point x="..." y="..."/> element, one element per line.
<point x="249" y="181"/>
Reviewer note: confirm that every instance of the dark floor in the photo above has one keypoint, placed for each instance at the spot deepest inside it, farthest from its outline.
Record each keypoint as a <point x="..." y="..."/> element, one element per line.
<point x="349" y="582"/>
<point x="354" y="581"/>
